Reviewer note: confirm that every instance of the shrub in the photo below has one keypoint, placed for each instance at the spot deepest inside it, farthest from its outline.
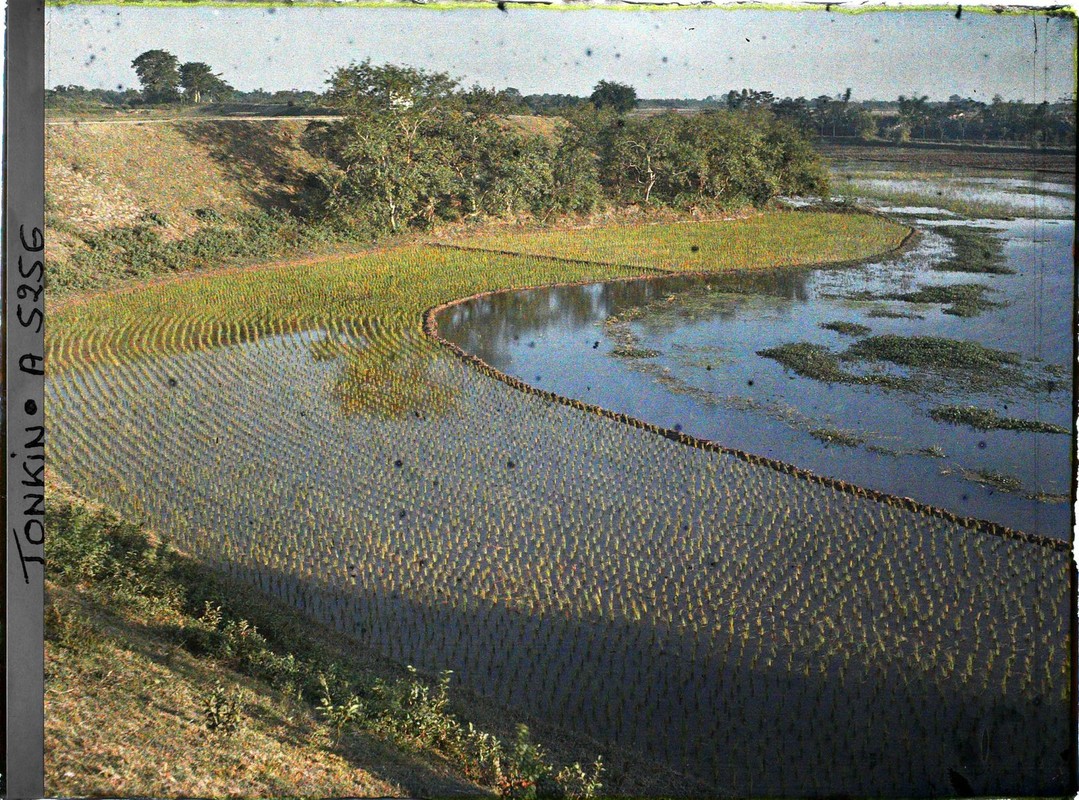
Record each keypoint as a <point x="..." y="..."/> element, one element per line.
<point x="339" y="715"/>
<point x="221" y="711"/>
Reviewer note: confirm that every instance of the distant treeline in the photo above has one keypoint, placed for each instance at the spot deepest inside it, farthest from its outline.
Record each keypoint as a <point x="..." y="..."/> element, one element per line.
<point x="957" y="119"/>
<point x="80" y="99"/>
<point x="411" y="147"/>
<point x="164" y="80"/>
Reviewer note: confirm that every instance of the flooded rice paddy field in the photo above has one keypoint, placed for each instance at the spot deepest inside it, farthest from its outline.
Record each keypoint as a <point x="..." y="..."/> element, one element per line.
<point x="685" y="353"/>
<point x="968" y="192"/>
<point x="749" y="629"/>
<point x="753" y="631"/>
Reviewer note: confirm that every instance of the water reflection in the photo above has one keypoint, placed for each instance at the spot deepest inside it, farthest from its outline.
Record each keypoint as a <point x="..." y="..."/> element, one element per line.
<point x="684" y="352"/>
<point x="494" y="326"/>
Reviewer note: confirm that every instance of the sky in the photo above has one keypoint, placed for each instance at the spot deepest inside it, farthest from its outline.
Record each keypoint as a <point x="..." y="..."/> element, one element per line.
<point x="692" y="52"/>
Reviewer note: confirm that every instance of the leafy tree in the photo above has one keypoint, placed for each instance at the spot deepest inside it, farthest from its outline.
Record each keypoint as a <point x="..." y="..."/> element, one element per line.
<point x="575" y="172"/>
<point x="395" y="147"/>
<point x="914" y="112"/>
<point x="364" y="89"/>
<point x="198" y="80"/>
<point x="796" y="111"/>
<point x="158" y="72"/>
<point x="749" y="99"/>
<point x="646" y="155"/>
<point x="610" y="94"/>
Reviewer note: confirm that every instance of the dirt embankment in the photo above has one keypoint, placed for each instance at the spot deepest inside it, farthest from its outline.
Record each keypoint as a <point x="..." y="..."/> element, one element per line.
<point x="180" y="174"/>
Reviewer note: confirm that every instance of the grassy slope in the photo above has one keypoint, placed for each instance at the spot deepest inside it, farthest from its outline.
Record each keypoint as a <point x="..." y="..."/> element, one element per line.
<point x="125" y="702"/>
<point x="103" y="176"/>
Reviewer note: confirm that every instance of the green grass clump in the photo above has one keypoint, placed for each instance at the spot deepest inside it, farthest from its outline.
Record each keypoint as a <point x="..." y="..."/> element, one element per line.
<point x="846" y="328"/>
<point x="986" y="419"/>
<point x="932" y="352"/>
<point x="836" y="436"/>
<point x="959" y="299"/>
<point x="976" y="250"/>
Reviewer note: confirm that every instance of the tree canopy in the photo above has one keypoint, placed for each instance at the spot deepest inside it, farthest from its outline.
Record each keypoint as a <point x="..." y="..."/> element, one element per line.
<point x="412" y="146"/>
<point x="199" y="82"/>
<point x="610" y="94"/>
<point x="158" y="72"/>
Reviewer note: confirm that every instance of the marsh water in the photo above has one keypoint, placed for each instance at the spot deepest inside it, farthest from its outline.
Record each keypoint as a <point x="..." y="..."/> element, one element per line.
<point x="683" y="352"/>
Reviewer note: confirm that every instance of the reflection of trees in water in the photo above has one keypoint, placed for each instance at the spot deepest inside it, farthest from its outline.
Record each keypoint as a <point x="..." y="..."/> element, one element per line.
<point x="724" y="298"/>
<point x="488" y="326"/>
<point x="390" y="383"/>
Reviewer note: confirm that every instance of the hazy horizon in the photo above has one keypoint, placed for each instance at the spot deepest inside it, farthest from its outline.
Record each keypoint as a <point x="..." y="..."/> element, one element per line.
<point x="685" y="53"/>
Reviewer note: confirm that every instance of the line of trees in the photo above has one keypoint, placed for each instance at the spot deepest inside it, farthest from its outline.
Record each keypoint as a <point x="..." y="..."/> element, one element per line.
<point x="165" y="80"/>
<point x="957" y="119"/>
<point x="412" y="146"/>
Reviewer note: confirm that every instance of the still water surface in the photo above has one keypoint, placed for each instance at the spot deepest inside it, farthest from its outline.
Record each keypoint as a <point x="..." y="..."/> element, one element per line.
<point x="682" y="352"/>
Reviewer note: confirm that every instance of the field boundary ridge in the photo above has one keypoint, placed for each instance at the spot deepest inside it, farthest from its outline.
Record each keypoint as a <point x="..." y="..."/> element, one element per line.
<point x="430" y="329"/>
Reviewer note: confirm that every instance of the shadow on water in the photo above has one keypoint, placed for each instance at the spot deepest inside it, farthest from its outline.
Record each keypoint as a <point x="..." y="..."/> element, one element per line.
<point x="488" y="325"/>
<point x="720" y="724"/>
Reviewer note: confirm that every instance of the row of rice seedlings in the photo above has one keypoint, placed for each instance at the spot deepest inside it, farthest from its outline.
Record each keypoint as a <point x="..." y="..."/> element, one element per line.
<point x="595" y="574"/>
<point x="741" y="560"/>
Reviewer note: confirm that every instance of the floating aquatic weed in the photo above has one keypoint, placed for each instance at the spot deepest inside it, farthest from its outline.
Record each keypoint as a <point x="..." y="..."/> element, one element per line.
<point x="1049" y="497"/>
<point x="836" y="436"/>
<point x="958" y="299"/>
<point x="634" y="352"/>
<point x="987" y="419"/>
<point x="975" y="250"/>
<point x="997" y="480"/>
<point x="847" y="328"/>
<point x="932" y="352"/>
<point x="819" y="363"/>
<point x="888" y="313"/>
